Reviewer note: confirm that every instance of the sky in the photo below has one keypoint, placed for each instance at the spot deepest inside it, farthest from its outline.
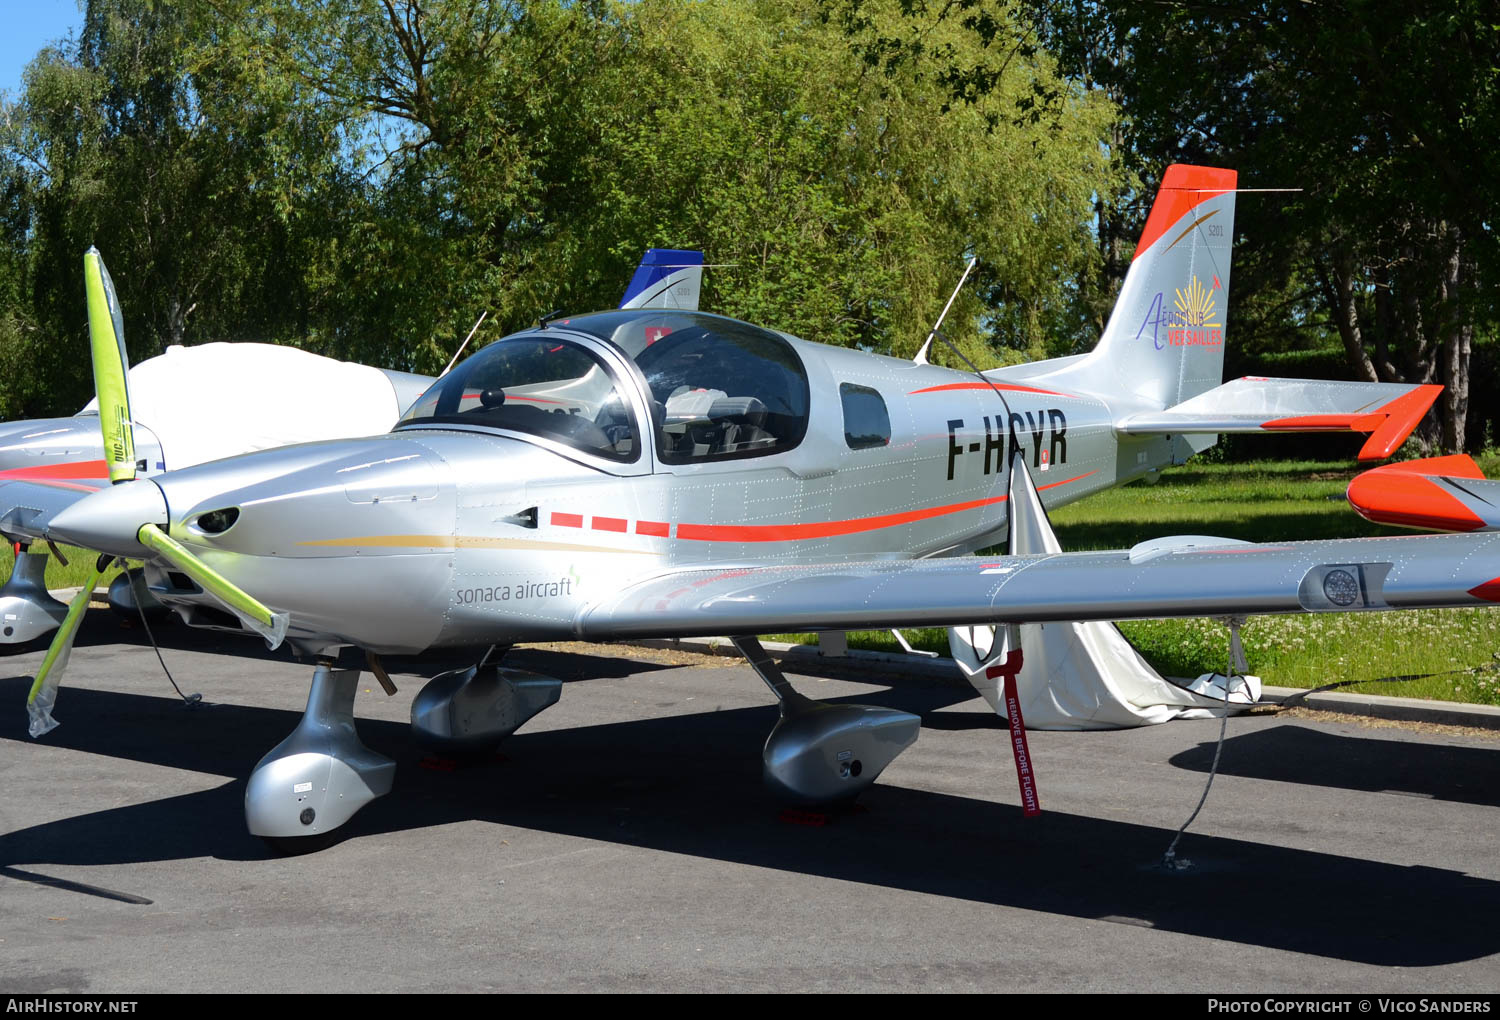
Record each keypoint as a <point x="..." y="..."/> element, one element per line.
<point x="25" y="27"/>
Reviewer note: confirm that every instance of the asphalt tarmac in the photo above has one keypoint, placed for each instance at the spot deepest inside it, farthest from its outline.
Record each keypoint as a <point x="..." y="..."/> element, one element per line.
<point x="624" y="842"/>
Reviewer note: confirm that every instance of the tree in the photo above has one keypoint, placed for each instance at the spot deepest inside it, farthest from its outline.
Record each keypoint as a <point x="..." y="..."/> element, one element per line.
<point x="1390" y="248"/>
<point x="152" y="136"/>
<point x="534" y="151"/>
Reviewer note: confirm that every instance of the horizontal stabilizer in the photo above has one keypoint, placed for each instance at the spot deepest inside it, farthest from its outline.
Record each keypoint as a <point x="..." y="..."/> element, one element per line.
<point x="1438" y="493"/>
<point x="1386" y="411"/>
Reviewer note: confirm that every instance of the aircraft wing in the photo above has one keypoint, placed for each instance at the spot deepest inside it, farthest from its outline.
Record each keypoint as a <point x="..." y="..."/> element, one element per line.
<point x="1387" y="411"/>
<point x="27" y="506"/>
<point x="1187" y="576"/>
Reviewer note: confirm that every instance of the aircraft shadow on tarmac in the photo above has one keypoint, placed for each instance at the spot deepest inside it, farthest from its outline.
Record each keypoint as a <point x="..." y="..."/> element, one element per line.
<point x="691" y="785"/>
<point x="102" y="627"/>
<point x="1300" y="754"/>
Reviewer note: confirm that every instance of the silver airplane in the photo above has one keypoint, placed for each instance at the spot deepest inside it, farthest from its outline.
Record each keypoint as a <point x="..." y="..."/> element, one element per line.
<point x="196" y="404"/>
<point x="650" y="473"/>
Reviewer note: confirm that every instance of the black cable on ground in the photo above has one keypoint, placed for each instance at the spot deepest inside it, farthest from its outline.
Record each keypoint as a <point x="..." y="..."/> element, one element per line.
<point x="1232" y="670"/>
<point x="137" y="585"/>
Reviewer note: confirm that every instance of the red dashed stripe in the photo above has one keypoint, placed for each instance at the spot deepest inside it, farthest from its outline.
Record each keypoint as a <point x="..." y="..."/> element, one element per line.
<point x="567" y="520"/>
<point x="656" y="529"/>
<point x="611" y="524"/>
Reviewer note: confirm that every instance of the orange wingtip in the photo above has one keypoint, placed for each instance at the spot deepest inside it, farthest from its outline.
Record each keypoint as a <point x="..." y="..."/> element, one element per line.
<point x="1402" y="415"/>
<point x="1395" y="494"/>
<point x="1388" y="425"/>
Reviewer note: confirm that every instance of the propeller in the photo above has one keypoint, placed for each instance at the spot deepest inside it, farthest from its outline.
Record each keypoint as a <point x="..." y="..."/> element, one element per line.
<point x="269" y="625"/>
<point x="118" y="520"/>
<point x="44" y="689"/>
<point x="111" y="366"/>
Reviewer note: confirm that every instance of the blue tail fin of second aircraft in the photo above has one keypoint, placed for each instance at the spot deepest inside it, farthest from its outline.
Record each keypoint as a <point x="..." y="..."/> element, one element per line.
<point x="666" y="278"/>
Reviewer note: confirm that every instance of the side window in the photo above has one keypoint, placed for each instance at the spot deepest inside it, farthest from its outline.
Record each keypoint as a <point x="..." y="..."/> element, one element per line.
<point x="866" y="422"/>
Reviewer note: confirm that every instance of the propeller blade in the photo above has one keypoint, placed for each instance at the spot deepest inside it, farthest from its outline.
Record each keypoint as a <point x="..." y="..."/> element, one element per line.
<point x="44" y="689"/>
<point x="269" y="625"/>
<point x="107" y="343"/>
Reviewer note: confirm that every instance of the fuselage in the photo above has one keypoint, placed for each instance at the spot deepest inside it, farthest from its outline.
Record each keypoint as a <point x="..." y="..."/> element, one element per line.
<point x="499" y="515"/>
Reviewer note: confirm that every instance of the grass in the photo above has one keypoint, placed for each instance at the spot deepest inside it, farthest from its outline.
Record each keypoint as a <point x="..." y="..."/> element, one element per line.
<point x="60" y="575"/>
<point x="1258" y="501"/>
<point x="1272" y="501"/>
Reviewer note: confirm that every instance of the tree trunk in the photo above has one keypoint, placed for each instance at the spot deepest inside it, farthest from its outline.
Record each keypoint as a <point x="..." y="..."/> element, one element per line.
<point x="1337" y="282"/>
<point x="1458" y="340"/>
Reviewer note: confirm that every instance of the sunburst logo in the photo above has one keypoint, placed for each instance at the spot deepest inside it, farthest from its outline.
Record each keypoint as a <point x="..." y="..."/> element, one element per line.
<point x="1194" y="323"/>
<point x="1195" y="307"/>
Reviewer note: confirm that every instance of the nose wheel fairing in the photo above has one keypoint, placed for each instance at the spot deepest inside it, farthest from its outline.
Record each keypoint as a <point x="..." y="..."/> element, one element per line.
<point x="318" y="777"/>
<point x="27" y="609"/>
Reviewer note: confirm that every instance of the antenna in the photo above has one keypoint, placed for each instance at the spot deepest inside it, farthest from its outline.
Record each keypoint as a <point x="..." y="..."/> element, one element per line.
<point x="461" y="346"/>
<point x="921" y="358"/>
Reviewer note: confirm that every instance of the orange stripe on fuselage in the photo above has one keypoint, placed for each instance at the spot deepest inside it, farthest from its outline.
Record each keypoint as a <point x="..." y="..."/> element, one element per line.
<point x="71" y="469"/>
<point x="1004" y="387"/>
<point x="61" y="476"/>
<point x="688" y="532"/>
<point x="830" y="529"/>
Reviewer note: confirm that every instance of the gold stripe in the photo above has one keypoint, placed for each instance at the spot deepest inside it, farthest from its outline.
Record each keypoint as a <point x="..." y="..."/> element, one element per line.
<point x="422" y="541"/>
<point x="466" y="542"/>
<point x="1189" y="230"/>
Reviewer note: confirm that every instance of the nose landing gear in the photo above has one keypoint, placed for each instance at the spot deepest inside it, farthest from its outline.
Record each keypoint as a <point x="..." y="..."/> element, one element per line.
<point x="318" y="777"/>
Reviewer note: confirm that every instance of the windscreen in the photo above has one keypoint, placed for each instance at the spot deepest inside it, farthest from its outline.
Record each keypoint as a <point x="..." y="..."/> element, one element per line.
<point x="545" y="386"/>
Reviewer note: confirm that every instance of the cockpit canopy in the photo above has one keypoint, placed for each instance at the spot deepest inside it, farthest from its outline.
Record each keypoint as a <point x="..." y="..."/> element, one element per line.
<point x="720" y="388"/>
<point x="544" y="385"/>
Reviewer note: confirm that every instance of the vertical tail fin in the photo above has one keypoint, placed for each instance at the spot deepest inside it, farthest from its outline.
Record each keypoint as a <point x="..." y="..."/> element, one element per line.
<point x="666" y="278"/>
<point x="1165" y="339"/>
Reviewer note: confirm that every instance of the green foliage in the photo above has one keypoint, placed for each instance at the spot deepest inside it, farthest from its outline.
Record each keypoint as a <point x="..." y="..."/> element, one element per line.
<point x="154" y="136"/>
<point x="1389" y="251"/>
<point x="843" y="197"/>
<point x="363" y="178"/>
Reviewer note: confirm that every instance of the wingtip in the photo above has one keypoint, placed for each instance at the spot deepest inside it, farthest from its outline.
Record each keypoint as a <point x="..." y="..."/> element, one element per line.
<point x="1397" y="495"/>
<point x="1402" y="415"/>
